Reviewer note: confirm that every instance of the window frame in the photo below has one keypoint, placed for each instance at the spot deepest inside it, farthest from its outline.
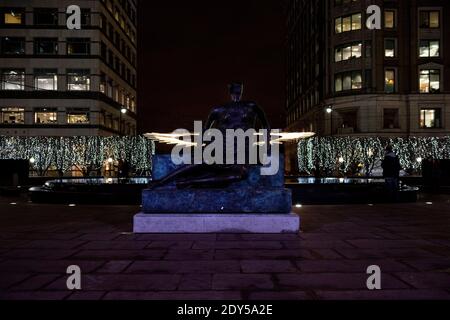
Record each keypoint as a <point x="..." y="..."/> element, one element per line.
<point x="429" y="81"/>
<point x="437" y="118"/>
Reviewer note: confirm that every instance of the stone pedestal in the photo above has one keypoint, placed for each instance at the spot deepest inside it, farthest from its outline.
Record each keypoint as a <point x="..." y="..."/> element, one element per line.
<point x="216" y="223"/>
<point x="258" y="204"/>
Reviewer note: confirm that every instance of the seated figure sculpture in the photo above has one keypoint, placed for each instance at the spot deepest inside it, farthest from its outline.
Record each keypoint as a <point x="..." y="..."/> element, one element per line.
<point x="235" y="188"/>
<point x="235" y="115"/>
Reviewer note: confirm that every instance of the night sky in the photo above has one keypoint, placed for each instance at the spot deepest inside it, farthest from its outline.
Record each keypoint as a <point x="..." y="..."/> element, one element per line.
<point x="190" y="50"/>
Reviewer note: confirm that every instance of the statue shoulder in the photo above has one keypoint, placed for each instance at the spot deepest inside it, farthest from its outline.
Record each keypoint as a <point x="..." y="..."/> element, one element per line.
<point x="216" y="110"/>
<point x="253" y="105"/>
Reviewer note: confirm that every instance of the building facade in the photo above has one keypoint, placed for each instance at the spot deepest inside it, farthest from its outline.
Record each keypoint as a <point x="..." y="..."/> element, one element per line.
<point x="345" y="79"/>
<point x="61" y="82"/>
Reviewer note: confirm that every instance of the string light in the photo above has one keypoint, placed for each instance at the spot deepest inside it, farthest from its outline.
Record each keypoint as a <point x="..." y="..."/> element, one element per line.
<point x="85" y="153"/>
<point x="361" y="155"/>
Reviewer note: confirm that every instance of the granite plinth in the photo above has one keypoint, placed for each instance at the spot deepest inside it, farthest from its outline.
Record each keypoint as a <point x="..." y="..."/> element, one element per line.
<point x="216" y="223"/>
<point x="229" y="200"/>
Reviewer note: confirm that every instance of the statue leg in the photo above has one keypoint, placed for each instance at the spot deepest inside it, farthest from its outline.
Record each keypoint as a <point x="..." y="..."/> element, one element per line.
<point x="217" y="177"/>
<point x="183" y="171"/>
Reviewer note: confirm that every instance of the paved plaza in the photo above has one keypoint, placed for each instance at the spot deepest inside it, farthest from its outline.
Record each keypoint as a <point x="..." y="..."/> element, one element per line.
<point x="327" y="260"/>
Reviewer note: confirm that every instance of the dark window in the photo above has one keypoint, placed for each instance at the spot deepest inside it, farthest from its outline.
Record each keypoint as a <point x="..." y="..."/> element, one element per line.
<point x="46" y="45"/>
<point x="12" y="45"/>
<point x="81" y="46"/>
<point x="46" y="17"/>
<point x="86" y="17"/>
<point x="103" y="51"/>
<point x="110" y="58"/>
<point x="391" y="119"/>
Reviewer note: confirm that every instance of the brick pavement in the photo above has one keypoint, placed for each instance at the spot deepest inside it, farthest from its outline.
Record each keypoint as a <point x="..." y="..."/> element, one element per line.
<point x="327" y="260"/>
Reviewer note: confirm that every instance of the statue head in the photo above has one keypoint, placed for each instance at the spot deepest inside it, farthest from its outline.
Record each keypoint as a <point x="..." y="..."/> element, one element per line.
<point x="236" y="90"/>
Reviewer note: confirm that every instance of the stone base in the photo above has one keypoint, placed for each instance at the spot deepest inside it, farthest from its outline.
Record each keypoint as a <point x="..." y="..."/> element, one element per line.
<point x="251" y="200"/>
<point x="216" y="223"/>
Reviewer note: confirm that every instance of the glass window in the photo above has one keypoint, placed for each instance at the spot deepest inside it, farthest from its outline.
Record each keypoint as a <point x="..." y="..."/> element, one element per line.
<point x="46" y="16"/>
<point x="348" y="52"/>
<point x="46" y="45"/>
<point x="389" y="19"/>
<point x="13" y="45"/>
<point x="348" y="81"/>
<point x="356" y="80"/>
<point x="13" y="79"/>
<point x="430" y="118"/>
<point x="103" y="83"/>
<point x="390" y="48"/>
<point x="356" y="21"/>
<point x="429" y="19"/>
<point x="78" y="80"/>
<point x="45" y="79"/>
<point x="78" y="46"/>
<point x="429" y="48"/>
<point x="45" y="116"/>
<point x="14" y="16"/>
<point x="429" y="81"/>
<point x="389" y="81"/>
<point x="12" y="116"/>
<point x="391" y="119"/>
<point x="78" y="116"/>
<point x="348" y="23"/>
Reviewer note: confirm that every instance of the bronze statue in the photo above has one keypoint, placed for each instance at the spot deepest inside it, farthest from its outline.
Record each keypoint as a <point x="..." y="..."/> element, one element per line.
<point x="235" y="115"/>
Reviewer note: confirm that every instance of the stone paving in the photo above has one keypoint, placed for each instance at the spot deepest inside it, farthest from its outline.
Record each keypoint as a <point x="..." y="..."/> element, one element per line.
<point x="327" y="260"/>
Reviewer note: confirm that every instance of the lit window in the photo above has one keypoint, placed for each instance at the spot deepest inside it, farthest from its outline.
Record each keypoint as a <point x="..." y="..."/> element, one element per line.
<point x="391" y="119"/>
<point x="429" y="81"/>
<point x="389" y="19"/>
<point x="389" y="48"/>
<point x="78" y="116"/>
<point x="46" y="79"/>
<point x="430" y="118"/>
<point x="389" y="81"/>
<point x="14" y="17"/>
<point x="429" y="48"/>
<point x="78" y="80"/>
<point x="45" y="116"/>
<point x="348" y="23"/>
<point x="356" y="21"/>
<point x="429" y="19"/>
<point x="13" y="79"/>
<point x="348" y="52"/>
<point x="12" y="116"/>
<point x="348" y="81"/>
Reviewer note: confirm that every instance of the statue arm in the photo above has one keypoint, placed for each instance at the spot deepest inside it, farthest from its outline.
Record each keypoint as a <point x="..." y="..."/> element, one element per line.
<point x="262" y="117"/>
<point x="211" y="119"/>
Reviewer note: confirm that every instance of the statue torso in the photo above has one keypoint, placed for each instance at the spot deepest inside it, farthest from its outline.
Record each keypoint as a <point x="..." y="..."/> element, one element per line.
<point x="235" y="115"/>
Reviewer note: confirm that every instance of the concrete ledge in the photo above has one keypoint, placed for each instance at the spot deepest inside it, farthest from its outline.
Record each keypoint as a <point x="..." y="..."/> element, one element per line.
<point x="216" y="223"/>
